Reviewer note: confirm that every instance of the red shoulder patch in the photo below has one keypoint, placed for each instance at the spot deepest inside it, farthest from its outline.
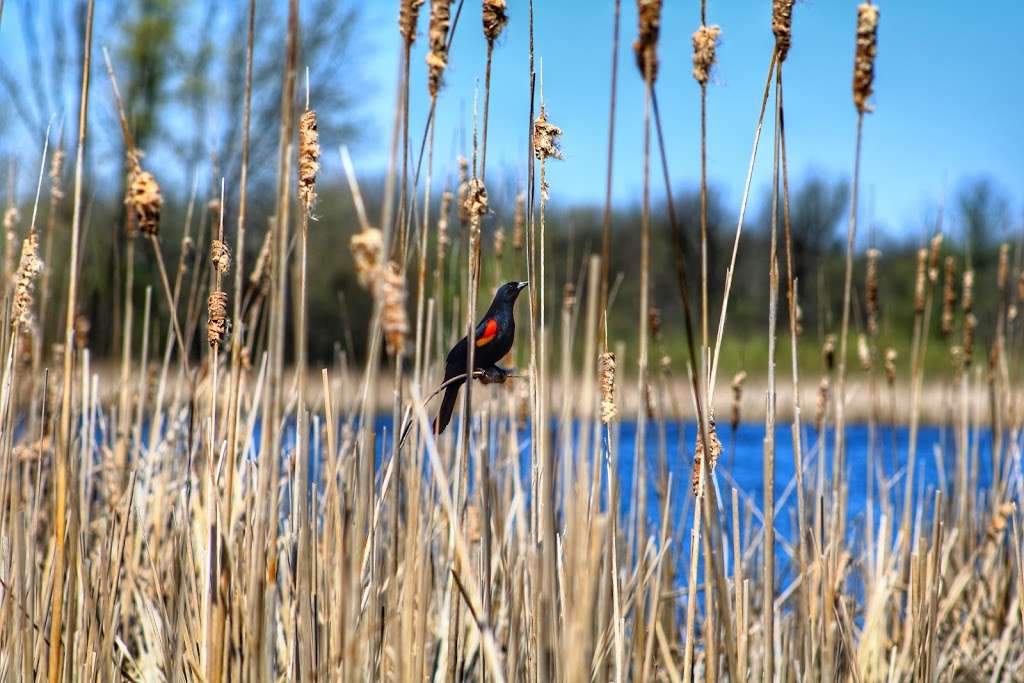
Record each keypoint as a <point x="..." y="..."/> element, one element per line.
<point x="489" y="333"/>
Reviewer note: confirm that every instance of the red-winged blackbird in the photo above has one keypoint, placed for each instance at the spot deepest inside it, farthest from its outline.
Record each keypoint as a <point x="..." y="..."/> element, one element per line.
<point x="493" y="339"/>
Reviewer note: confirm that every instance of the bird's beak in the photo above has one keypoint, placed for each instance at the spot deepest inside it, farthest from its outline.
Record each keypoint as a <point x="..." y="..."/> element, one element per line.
<point x="522" y="285"/>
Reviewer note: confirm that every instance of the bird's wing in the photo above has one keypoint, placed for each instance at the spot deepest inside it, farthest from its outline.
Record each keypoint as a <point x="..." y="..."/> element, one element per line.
<point x="486" y="331"/>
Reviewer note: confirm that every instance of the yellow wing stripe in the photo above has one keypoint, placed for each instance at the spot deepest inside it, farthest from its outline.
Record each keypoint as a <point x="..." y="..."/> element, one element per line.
<point x="490" y="332"/>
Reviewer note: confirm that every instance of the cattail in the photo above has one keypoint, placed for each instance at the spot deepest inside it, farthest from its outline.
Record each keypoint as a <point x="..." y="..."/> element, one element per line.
<point x="494" y="19"/>
<point x="864" y="60"/>
<point x="654" y="322"/>
<point x="863" y="352"/>
<point x="217" y="323"/>
<point x="871" y="290"/>
<point x="546" y="138"/>
<point x="919" y="280"/>
<point x="408" y="14"/>
<point x="390" y="289"/>
<point x="956" y="357"/>
<point x="568" y="297"/>
<point x="646" y="45"/>
<point x="828" y="352"/>
<point x="970" y="325"/>
<point x="737" y="397"/>
<point x="890" y="366"/>
<point x="948" y="297"/>
<point x="934" y="252"/>
<point x="705" y="40"/>
<point x="821" y="404"/>
<point x="799" y="320"/>
<point x="463" y="190"/>
<point x="145" y="201"/>
<point x="476" y="203"/>
<point x="442" y="225"/>
<point x="713" y="453"/>
<point x="519" y="218"/>
<point x="967" y="297"/>
<point x="499" y="243"/>
<point x="437" y="56"/>
<point x="220" y="256"/>
<point x="1003" y="274"/>
<point x="56" y="168"/>
<point x="367" y="246"/>
<point x="782" y="26"/>
<point x="82" y="329"/>
<point x="606" y="380"/>
<point x="29" y="268"/>
<point x="309" y="148"/>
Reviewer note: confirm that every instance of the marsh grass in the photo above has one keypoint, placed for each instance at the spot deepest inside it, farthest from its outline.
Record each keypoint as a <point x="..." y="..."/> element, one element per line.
<point x="222" y="517"/>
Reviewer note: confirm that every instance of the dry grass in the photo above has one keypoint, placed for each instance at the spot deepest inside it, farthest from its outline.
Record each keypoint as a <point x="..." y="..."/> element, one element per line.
<point x="239" y="517"/>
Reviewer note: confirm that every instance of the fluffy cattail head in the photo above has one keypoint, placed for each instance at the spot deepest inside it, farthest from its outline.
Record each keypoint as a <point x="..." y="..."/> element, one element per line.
<point x="864" y="59"/>
<point x="56" y="167"/>
<point x="871" y="289"/>
<point x="890" y="366"/>
<point x="29" y="268"/>
<point x="494" y="19"/>
<point x="948" y="297"/>
<point x="519" y="218"/>
<point x="217" y="318"/>
<point x="699" y="451"/>
<point x="934" y="252"/>
<point x="408" y="14"/>
<point x="442" y="222"/>
<point x="476" y="201"/>
<point x="367" y="246"/>
<point x="390" y="289"/>
<point x="828" y="352"/>
<point x="499" y="243"/>
<point x="705" y="40"/>
<point x="782" y="26"/>
<point x="920" y="280"/>
<point x="463" y="190"/>
<point x="737" y="397"/>
<point x="967" y="300"/>
<point x="606" y="380"/>
<point x="546" y="138"/>
<point x="863" y="352"/>
<point x="220" y="256"/>
<point x="145" y="201"/>
<point x="646" y="45"/>
<point x="309" y="156"/>
<point x="437" y="56"/>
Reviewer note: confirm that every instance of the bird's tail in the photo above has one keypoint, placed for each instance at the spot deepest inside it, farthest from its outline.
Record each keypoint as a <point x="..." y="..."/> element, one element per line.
<point x="444" y="415"/>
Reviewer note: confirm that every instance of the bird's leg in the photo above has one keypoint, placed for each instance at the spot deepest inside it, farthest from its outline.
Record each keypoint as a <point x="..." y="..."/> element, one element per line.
<point x="495" y="374"/>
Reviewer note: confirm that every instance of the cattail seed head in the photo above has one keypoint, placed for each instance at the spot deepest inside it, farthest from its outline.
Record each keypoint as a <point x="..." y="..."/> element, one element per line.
<point x="82" y="328"/>
<point x="390" y="289"/>
<point x="606" y="381"/>
<point x="568" y="297"/>
<point x="463" y="190"/>
<point x="821" y="403"/>
<point x="782" y="26"/>
<point x="934" y="252"/>
<point x="967" y="298"/>
<point x="828" y="352"/>
<point x="367" y="246"/>
<point x="1003" y="274"/>
<point x="309" y="151"/>
<point x="220" y="256"/>
<point x="737" y="397"/>
<point x="864" y="60"/>
<point x="29" y="267"/>
<point x="646" y="45"/>
<point x="871" y="290"/>
<point x="546" y="138"/>
<point x="519" y="218"/>
<point x="705" y="40"/>
<point x="145" y="201"/>
<point x="494" y="19"/>
<point x="970" y="326"/>
<point x="863" y="352"/>
<point x="56" y="168"/>
<point x="499" y="243"/>
<point x="408" y="14"/>
<point x="437" y="56"/>
<point x="919" y="280"/>
<point x="217" y="318"/>
<point x="476" y="201"/>
<point x="890" y="366"/>
<point x="948" y="297"/>
<point x="713" y="453"/>
<point x="442" y="223"/>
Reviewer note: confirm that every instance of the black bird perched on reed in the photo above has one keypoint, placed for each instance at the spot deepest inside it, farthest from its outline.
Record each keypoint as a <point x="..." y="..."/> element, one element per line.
<point x="492" y="338"/>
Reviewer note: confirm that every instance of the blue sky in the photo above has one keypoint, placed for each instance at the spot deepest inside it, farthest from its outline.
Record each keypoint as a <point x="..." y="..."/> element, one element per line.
<point x="948" y="106"/>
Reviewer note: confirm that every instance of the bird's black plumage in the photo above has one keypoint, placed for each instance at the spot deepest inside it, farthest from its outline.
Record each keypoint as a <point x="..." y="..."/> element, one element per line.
<point x="492" y="338"/>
